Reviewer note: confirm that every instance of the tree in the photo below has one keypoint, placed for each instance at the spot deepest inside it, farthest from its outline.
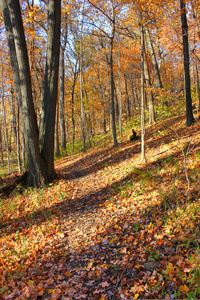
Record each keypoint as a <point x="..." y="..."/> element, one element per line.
<point x="189" y="113"/>
<point x="39" y="142"/>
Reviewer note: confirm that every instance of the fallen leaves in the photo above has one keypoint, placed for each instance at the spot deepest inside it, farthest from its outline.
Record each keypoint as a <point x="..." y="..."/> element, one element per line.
<point x="119" y="232"/>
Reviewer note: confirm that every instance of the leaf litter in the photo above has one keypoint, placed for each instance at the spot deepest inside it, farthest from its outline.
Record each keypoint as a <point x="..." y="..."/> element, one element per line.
<point x="109" y="227"/>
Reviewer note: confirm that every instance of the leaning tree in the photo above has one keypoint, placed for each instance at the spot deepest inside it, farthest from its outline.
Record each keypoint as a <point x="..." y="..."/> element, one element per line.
<point x="39" y="140"/>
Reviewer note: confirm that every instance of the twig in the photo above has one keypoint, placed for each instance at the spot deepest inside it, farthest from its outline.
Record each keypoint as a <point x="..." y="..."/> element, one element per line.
<point x="118" y="282"/>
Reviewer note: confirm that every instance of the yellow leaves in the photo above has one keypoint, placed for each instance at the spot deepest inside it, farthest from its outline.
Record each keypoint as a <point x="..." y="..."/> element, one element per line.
<point x="55" y="293"/>
<point x="184" y="288"/>
<point x="170" y="270"/>
<point x="112" y="240"/>
<point x="30" y="283"/>
<point x="68" y="274"/>
<point x="61" y="234"/>
<point x="136" y="296"/>
<point x="138" y="266"/>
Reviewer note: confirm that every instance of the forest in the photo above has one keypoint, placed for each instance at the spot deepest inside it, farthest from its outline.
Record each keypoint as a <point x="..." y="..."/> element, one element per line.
<point x="99" y="149"/>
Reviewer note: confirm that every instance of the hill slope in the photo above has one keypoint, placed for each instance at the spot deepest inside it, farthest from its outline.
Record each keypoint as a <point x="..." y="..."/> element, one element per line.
<point x="110" y="227"/>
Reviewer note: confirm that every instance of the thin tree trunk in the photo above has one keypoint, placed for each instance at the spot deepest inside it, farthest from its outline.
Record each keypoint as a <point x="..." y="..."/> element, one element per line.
<point x="62" y="98"/>
<point x="142" y="96"/>
<point x="69" y="138"/>
<point x="18" y="142"/>
<point x="120" y="90"/>
<point x="154" y="60"/>
<point x="81" y="83"/>
<point x="128" y="112"/>
<point x="72" y="106"/>
<point x="23" y="151"/>
<point x="1" y="144"/>
<point x="149" y="92"/>
<point x="197" y="86"/>
<point x="57" y="147"/>
<point x="189" y="112"/>
<point x="112" y="79"/>
<point x="4" y="118"/>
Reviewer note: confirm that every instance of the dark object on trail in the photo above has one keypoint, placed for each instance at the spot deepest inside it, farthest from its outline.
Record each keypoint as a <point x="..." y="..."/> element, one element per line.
<point x="134" y="136"/>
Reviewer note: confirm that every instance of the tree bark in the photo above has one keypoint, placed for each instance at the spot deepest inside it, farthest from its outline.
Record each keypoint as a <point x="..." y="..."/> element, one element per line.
<point x="57" y="146"/>
<point x="154" y="61"/>
<point x="149" y="91"/>
<point x="142" y="96"/>
<point x="4" y="119"/>
<point x="112" y="88"/>
<point x="120" y="90"/>
<point x="189" y="112"/>
<point x="50" y="88"/>
<point x="40" y="165"/>
<point x="62" y="98"/>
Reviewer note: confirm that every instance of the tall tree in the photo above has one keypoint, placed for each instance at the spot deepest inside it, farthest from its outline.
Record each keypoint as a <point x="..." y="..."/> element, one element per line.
<point x="39" y="145"/>
<point x="189" y="112"/>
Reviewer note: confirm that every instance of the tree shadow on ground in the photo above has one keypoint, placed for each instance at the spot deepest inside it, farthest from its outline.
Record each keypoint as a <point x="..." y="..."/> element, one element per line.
<point x="124" y="254"/>
<point x="110" y="156"/>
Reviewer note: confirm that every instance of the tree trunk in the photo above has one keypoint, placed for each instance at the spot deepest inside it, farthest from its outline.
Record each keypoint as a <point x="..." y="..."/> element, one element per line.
<point x="112" y="88"/>
<point x="154" y="61"/>
<point x="50" y="88"/>
<point x="39" y="164"/>
<point x="57" y="146"/>
<point x="128" y="111"/>
<point x="142" y="96"/>
<point x="72" y="105"/>
<point x="189" y="112"/>
<point x="1" y="144"/>
<point x="18" y="142"/>
<point x="120" y="90"/>
<point x="149" y="87"/>
<point x="4" y="118"/>
<point x="197" y="87"/>
<point x="34" y="163"/>
<point x="62" y="99"/>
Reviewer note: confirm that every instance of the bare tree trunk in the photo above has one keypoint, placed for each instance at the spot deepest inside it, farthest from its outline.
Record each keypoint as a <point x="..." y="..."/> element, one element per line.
<point x="112" y="79"/>
<point x="51" y="88"/>
<point x="149" y="87"/>
<point x="154" y="60"/>
<point x="81" y="84"/>
<point x="39" y="164"/>
<point x="18" y="142"/>
<point x="57" y="146"/>
<point x="4" y="118"/>
<point x="189" y="111"/>
<point x="62" y="98"/>
<point x="1" y="144"/>
<point x="197" y="87"/>
<point x="128" y="112"/>
<point x="69" y="138"/>
<point x="23" y="151"/>
<point x="72" y="106"/>
<point x="142" y="96"/>
<point x="21" y="70"/>
<point x="120" y="90"/>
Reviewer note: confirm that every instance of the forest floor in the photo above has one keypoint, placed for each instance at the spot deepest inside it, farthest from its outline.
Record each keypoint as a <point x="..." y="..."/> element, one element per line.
<point x="110" y="227"/>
